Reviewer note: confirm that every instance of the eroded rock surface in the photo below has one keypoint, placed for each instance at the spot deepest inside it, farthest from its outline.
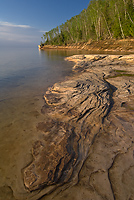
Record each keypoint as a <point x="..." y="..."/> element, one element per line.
<point x="88" y="132"/>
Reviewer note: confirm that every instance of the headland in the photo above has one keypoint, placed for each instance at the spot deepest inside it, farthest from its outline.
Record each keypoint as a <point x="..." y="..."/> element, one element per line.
<point x="108" y="45"/>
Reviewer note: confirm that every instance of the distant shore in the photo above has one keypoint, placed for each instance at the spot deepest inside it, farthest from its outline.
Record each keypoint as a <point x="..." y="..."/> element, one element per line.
<point x="123" y="45"/>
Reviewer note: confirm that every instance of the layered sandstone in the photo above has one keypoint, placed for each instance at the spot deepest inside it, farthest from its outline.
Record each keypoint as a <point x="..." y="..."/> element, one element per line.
<point x="87" y="150"/>
<point x="113" y="45"/>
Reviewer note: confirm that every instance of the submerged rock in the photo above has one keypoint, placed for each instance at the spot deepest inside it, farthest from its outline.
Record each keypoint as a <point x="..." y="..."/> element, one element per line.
<point x="96" y="104"/>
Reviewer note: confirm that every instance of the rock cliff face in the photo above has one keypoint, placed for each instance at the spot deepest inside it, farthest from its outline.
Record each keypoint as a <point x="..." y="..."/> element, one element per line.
<point x="123" y="45"/>
<point x="87" y="150"/>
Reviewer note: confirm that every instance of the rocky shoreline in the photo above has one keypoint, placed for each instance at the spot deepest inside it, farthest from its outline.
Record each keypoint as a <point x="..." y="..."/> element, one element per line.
<point x="109" y="45"/>
<point x="87" y="150"/>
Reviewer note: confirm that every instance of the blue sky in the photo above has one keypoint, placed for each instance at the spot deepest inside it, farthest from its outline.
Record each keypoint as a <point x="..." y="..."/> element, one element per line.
<point x="23" y="22"/>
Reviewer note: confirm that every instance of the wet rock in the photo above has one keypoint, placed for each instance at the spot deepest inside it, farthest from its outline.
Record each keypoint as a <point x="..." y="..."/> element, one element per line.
<point x="88" y="132"/>
<point x="6" y="193"/>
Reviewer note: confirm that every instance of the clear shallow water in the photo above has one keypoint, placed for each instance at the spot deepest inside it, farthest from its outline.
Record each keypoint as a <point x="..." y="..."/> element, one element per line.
<point x="28" y="67"/>
<point x="25" y="75"/>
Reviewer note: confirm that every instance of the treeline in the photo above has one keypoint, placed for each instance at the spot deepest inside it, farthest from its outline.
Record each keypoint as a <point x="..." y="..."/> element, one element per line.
<point x="103" y="19"/>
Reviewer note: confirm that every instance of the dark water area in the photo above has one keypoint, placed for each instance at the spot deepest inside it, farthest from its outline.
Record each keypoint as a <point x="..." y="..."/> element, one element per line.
<point x="25" y="75"/>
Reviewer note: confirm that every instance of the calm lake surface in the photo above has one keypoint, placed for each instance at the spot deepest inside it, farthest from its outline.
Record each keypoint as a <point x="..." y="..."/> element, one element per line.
<point x="25" y="75"/>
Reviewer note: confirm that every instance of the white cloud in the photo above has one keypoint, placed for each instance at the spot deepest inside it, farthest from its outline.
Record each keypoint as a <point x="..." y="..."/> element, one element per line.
<point x="42" y="31"/>
<point x="13" y="25"/>
<point x="11" y="33"/>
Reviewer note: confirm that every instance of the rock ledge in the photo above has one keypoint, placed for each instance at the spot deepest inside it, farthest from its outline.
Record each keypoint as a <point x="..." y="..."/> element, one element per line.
<point x="89" y="123"/>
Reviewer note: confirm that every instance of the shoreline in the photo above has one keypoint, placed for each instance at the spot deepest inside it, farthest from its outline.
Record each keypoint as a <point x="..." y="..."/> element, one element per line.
<point x="123" y="45"/>
<point x="85" y="135"/>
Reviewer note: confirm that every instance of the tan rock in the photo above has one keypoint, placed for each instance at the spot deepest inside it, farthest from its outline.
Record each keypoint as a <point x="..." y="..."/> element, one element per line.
<point x="88" y="140"/>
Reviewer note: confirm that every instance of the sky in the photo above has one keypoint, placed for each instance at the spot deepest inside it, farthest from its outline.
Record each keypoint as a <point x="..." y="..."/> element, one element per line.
<point x="23" y="22"/>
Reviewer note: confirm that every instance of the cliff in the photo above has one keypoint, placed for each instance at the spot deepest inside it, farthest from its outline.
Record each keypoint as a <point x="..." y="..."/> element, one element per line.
<point x="123" y="45"/>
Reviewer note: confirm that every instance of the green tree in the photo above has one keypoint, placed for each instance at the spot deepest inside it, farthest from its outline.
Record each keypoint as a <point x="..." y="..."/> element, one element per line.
<point x="101" y="20"/>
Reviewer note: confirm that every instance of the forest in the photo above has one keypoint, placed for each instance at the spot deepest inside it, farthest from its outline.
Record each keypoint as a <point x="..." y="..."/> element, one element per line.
<point x="103" y="19"/>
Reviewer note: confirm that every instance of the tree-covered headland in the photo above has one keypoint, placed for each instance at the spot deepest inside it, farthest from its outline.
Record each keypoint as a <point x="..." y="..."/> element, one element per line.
<point x="103" y="19"/>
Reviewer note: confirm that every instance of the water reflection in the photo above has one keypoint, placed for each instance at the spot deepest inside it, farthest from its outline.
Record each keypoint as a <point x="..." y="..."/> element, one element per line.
<point x="55" y="54"/>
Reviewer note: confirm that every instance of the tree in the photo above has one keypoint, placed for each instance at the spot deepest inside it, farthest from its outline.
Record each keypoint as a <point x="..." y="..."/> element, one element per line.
<point x="101" y="20"/>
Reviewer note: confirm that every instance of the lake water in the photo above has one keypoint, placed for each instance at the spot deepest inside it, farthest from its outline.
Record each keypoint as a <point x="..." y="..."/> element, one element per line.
<point x="25" y="75"/>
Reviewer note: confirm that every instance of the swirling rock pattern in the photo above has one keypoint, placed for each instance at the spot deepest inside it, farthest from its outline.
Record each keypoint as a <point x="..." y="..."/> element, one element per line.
<point x="91" y="104"/>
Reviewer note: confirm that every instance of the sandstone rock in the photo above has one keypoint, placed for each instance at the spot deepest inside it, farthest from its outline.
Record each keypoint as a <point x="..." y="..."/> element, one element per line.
<point x="88" y="132"/>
